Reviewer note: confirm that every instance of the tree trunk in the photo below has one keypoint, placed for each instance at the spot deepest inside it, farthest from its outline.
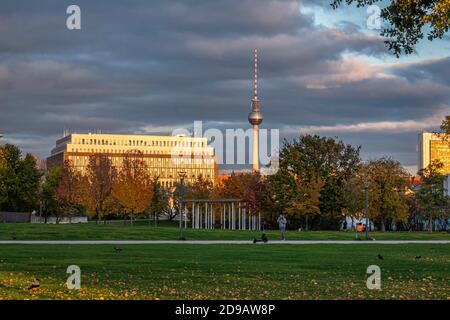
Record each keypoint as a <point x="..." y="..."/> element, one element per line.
<point x="430" y="228"/>
<point x="306" y="223"/>
<point x="383" y="226"/>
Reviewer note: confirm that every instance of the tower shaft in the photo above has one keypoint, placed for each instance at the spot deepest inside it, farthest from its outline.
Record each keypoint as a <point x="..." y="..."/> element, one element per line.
<point x="256" y="148"/>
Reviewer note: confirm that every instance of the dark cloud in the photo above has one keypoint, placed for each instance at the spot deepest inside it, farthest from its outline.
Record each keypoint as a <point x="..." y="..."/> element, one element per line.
<point x="150" y="66"/>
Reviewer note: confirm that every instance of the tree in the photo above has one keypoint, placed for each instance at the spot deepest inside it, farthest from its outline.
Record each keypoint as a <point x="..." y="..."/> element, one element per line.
<point x="19" y="180"/>
<point x="97" y="185"/>
<point x="306" y="200"/>
<point x="319" y="161"/>
<point x="159" y="202"/>
<point x="431" y="196"/>
<point x="354" y="197"/>
<point x="133" y="189"/>
<point x="445" y="126"/>
<point x="254" y="191"/>
<point x="408" y="20"/>
<point x="387" y="181"/>
<point x="69" y="191"/>
<point x="49" y="202"/>
<point x="201" y="189"/>
<point x="280" y="189"/>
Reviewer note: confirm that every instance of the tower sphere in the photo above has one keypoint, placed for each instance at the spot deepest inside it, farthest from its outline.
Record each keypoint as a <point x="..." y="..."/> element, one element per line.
<point x="255" y="118"/>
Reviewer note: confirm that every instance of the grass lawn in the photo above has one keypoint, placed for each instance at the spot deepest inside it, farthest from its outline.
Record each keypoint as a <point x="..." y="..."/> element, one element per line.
<point x="169" y="231"/>
<point x="226" y="271"/>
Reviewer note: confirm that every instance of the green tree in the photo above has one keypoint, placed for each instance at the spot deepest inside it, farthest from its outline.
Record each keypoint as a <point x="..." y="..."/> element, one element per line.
<point x="319" y="161"/>
<point x="431" y="196"/>
<point x="445" y="126"/>
<point x="201" y="188"/>
<point x="281" y="188"/>
<point x="49" y="202"/>
<point x="387" y="181"/>
<point x="159" y="201"/>
<point x="408" y="20"/>
<point x="19" y="180"/>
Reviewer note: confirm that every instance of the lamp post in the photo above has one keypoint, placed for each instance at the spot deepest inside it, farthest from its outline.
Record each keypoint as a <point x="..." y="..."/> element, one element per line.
<point x="182" y="175"/>
<point x="366" y="209"/>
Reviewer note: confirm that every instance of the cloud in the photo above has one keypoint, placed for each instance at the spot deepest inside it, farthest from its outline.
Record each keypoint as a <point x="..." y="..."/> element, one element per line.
<point x="411" y="126"/>
<point x="153" y="66"/>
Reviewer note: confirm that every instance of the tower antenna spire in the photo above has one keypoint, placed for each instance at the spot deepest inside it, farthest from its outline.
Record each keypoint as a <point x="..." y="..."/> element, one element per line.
<point x="255" y="74"/>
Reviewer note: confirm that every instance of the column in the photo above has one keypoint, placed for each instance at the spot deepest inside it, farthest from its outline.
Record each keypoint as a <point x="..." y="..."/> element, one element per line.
<point x="213" y="217"/>
<point x="193" y="214"/>
<point x="197" y="218"/>
<point x="239" y="215"/>
<point x="233" y="216"/>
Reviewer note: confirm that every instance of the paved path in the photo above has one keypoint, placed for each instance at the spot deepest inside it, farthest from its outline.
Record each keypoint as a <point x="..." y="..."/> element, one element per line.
<point x="295" y="242"/>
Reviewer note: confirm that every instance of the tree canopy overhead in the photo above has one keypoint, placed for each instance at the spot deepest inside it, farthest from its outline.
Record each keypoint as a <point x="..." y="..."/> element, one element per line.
<point x="409" y="21"/>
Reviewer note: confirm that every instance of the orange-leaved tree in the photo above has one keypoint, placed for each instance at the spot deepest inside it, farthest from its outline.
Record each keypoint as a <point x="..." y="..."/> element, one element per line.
<point x="133" y="186"/>
<point x="69" y="190"/>
<point x="97" y="187"/>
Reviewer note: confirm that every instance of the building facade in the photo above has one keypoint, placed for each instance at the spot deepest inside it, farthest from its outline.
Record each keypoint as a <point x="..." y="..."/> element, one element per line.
<point x="165" y="156"/>
<point x="434" y="146"/>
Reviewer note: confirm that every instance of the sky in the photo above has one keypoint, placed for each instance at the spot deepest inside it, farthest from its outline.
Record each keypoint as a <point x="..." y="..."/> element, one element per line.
<point x="143" y="66"/>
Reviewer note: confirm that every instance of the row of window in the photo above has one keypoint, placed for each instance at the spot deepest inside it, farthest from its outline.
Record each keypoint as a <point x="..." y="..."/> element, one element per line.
<point x="196" y="153"/>
<point x="142" y="143"/>
<point x="152" y="162"/>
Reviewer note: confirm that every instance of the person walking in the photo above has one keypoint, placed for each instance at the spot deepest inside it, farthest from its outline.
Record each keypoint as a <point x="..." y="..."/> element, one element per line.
<point x="282" y="224"/>
<point x="359" y="231"/>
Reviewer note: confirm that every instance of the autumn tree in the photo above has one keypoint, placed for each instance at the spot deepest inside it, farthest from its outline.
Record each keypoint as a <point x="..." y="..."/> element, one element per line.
<point x="69" y="191"/>
<point x="133" y="188"/>
<point x="254" y="192"/>
<point x="97" y="186"/>
<point x="305" y="201"/>
<point x="387" y="182"/>
<point x="408" y="21"/>
<point x="431" y="196"/>
<point x="251" y="188"/>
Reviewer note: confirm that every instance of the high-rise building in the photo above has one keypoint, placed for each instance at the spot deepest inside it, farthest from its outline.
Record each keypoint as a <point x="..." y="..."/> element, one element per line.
<point x="166" y="156"/>
<point x="255" y="117"/>
<point x="434" y="146"/>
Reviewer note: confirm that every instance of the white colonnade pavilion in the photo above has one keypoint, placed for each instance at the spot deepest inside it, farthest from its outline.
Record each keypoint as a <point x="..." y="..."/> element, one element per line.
<point x="226" y="214"/>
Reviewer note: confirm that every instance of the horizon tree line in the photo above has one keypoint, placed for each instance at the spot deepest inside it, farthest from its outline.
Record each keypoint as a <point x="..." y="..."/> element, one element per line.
<point x="320" y="182"/>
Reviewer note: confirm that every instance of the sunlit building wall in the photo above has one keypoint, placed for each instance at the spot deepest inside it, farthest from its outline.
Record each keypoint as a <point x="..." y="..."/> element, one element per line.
<point x="165" y="156"/>
<point x="434" y="146"/>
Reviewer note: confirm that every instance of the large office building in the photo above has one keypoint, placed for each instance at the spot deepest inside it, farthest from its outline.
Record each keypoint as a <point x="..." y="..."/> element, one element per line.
<point x="434" y="146"/>
<point x="166" y="156"/>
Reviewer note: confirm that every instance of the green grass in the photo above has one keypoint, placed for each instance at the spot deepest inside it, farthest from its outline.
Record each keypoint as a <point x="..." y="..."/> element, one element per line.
<point x="226" y="271"/>
<point x="169" y="231"/>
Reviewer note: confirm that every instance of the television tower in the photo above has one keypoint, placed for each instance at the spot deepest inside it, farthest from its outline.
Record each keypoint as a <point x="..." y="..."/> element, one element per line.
<point x="255" y="117"/>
